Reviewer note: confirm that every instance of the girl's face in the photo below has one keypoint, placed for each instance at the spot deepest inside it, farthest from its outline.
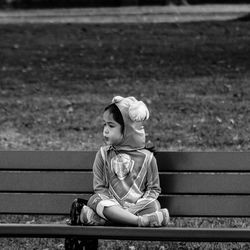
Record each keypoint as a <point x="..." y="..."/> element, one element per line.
<point x="112" y="130"/>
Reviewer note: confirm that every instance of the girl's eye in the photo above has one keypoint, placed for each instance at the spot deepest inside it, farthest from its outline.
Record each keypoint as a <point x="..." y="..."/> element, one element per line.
<point x="110" y="125"/>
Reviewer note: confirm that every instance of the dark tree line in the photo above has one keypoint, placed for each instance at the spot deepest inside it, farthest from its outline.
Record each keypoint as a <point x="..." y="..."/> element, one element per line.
<point x="93" y="3"/>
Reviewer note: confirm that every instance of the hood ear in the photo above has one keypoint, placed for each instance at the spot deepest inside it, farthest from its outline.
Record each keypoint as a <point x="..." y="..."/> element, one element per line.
<point x="117" y="99"/>
<point x="138" y="111"/>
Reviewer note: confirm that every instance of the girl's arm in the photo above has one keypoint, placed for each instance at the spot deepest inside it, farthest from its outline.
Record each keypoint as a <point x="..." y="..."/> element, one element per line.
<point x="100" y="183"/>
<point x="152" y="182"/>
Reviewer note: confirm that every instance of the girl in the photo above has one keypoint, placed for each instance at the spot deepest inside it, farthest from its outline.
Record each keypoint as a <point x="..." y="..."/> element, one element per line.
<point x="126" y="180"/>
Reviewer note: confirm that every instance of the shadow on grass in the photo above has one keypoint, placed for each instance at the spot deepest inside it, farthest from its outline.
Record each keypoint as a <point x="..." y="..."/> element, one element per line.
<point x="244" y="18"/>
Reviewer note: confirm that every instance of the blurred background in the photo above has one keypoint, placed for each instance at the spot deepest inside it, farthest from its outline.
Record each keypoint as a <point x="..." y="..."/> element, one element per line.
<point x="62" y="62"/>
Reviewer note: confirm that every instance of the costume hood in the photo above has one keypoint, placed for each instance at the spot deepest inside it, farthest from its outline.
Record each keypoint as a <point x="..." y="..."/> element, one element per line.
<point x="134" y="113"/>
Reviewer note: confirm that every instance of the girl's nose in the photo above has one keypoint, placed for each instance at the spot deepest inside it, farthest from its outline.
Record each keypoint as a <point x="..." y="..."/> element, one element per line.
<point x="105" y="131"/>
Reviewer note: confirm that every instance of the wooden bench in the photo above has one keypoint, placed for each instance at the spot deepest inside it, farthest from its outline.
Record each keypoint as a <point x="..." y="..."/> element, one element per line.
<point x="193" y="184"/>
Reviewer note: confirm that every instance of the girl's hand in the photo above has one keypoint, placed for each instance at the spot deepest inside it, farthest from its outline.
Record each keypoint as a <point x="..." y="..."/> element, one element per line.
<point x="144" y="199"/>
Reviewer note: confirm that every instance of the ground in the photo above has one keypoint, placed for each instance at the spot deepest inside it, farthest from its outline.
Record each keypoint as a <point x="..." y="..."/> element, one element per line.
<point x="55" y="80"/>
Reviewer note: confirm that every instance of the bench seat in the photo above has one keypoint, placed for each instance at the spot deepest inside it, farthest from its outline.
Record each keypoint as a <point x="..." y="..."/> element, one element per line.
<point x="126" y="233"/>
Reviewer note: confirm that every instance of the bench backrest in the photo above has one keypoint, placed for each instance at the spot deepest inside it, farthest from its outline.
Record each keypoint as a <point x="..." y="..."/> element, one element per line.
<point x="193" y="184"/>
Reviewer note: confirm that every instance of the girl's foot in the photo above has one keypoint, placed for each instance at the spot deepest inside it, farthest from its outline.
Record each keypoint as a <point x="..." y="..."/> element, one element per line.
<point x="165" y="217"/>
<point x="156" y="219"/>
<point x="90" y="217"/>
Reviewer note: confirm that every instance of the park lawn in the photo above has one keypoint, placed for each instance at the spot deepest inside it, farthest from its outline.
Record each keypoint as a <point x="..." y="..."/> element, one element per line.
<point x="55" y="80"/>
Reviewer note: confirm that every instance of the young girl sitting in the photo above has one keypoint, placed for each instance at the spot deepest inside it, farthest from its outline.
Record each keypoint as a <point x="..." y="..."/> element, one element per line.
<point x="126" y="179"/>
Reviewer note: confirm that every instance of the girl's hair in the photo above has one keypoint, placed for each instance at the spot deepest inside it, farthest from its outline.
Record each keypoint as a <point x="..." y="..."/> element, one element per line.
<point x="117" y="115"/>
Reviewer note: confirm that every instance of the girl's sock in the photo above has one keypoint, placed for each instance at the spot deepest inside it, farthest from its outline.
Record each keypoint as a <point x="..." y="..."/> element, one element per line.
<point x="156" y="219"/>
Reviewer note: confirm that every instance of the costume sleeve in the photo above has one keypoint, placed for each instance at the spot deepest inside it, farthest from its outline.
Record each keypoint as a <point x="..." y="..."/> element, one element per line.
<point x="152" y="182"/>
<point x="100" y="183"/>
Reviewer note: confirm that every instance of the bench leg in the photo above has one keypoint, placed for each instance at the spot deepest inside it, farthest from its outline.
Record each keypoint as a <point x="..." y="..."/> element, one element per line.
<point x="72" y="244"/>
<point x="75" y="243"/>
<point x="91" y="244"/>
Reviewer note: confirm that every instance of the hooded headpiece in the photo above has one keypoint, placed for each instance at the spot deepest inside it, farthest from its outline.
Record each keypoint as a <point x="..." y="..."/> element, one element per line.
<point x="134" y="113"/>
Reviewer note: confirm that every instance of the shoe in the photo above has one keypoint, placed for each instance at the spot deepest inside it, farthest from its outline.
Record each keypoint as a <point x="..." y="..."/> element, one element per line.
<point x="166" y="218"/>
<point x="156" y="219"/>
<point x="90" y="217"/>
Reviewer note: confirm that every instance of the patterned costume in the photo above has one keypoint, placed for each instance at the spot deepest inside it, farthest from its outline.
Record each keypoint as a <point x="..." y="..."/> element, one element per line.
<point x="126" y="175"/>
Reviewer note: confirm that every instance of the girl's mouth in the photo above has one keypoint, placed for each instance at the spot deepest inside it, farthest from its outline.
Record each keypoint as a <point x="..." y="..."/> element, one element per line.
<point x="106" y="139"/>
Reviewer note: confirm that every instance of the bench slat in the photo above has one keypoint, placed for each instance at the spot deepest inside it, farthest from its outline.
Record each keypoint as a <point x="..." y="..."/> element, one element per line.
<point x="61" y="182"/>
<point x="48" y="160"/>
<point x="171" y="161"/>
<point x="179" y="205"/>
<point x="203" y="161"/>
<point x="207" y="205"/>
<point x="124" y="233"/>
<point x="205" y="183"/>
<point x="23" y="203"/>
<point x="81" y="182"/>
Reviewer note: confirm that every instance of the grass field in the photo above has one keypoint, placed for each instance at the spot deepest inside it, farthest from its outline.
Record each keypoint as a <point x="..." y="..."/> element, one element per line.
<point x="55" y="80"/>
